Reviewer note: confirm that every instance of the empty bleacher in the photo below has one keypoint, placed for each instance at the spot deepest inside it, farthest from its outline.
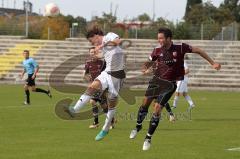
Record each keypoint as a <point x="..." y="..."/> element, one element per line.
<point x="60" y="58"/>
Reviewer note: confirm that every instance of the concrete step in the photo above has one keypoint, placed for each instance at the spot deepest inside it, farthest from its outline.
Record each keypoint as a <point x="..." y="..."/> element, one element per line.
<point x="11" y="37"/>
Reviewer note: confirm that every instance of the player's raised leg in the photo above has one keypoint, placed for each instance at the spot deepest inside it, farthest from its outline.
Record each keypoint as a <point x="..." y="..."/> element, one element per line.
<point x="85" y="98"/>
<point x="40" y="90"/>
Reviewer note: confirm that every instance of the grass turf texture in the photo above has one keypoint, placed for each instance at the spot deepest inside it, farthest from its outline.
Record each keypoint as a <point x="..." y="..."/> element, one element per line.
<point x="35" y="132"/>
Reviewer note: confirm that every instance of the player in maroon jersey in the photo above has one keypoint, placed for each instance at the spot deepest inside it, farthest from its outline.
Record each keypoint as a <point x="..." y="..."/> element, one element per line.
<point x="167" y="105"/>
<point x="93" y="68"/>
<point x="170" y="68"/>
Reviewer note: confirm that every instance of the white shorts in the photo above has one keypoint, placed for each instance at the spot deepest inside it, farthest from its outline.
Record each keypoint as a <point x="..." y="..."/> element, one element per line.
<point x="182" y="86"/>
<point x="111" y="83"/>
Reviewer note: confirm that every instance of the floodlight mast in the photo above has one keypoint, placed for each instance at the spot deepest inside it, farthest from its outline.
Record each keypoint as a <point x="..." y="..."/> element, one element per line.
<point x="27" y="23"/>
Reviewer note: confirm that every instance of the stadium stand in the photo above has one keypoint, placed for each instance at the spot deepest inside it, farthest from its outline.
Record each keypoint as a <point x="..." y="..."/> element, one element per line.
<point x="69" y="57"/>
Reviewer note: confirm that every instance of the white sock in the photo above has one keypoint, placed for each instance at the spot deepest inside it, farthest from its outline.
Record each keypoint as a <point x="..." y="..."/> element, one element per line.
<point x="84" y="99"/>
<point x="175" y="101"/>
<point x="188" y="98"/>
<point x="109" y="117"/>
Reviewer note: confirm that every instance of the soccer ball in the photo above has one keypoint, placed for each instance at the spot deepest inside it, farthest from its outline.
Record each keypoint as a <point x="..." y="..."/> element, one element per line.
<point x="52" y="10"/>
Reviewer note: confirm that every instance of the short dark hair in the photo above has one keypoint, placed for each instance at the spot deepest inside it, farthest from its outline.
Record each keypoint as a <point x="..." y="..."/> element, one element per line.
<point x="27" y="51"/>
<point x="94" y="31"/>
<point x="167" y="32"/>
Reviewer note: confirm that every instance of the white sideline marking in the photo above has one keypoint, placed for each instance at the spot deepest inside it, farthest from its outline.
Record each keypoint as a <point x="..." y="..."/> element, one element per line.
<point x="234" y="149"/>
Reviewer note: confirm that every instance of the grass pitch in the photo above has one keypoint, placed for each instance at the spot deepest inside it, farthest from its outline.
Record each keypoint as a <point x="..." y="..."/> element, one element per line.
<point x="35" y="132"/>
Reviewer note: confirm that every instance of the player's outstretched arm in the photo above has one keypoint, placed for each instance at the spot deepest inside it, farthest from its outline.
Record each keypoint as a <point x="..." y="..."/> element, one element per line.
<point x="204" y="55"/>
<point x="114" y="42"/>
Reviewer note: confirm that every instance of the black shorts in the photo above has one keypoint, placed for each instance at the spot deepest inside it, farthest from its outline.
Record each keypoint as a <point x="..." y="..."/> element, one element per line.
<point x="160" y="89"/>
<point x="30" y="81"/>
<point x="100" y="97"/>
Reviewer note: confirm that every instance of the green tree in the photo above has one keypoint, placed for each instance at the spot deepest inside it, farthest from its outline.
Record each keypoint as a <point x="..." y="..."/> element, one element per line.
<point x="106" y="22"/>
<point x="144" y="17"/>
<point x="233" y="6"/>
<point x="190" y="5"/>
<point x="161" y="22"/>
<point x="181" y="31"/>
<point x="69" y="18"/>
<point x="210" y="17"/>
<point x="109" y="18"/>
<point x="209" y="13"/>
<point x="82" y="25"/>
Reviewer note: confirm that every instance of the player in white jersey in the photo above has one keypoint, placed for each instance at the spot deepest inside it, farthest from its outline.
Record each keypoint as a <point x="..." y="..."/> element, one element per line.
<point x="111" y="78"/>
<point x="182" y="89"/>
